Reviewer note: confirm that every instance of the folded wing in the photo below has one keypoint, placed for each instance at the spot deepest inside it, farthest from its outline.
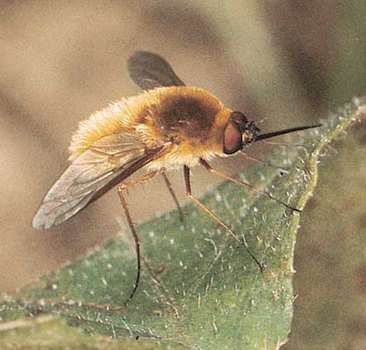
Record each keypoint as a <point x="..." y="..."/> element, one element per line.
<point x="149" y="70"/>
<point x="105" y="164"/>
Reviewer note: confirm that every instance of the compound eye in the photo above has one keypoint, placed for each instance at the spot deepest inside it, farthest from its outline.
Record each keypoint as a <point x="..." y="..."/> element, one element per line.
<point x="238" y="118"/>
<point x="232" y="138"/>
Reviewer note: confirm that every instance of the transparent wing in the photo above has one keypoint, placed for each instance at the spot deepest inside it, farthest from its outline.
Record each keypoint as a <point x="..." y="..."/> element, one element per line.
<point x="105" y="164"/>
<point x="149" y="70"/>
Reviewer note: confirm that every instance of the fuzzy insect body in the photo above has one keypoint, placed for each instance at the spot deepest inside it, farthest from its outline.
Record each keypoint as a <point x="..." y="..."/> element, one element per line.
<point x="188" y="121"/>
<point x="170" y="125"/>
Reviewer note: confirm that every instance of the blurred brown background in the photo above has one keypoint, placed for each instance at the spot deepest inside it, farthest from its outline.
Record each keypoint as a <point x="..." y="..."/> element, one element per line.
<point x="285" y="62"/>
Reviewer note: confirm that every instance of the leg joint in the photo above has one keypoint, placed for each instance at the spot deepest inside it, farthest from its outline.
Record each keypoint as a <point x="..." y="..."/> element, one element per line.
<point x="121" y="187"/>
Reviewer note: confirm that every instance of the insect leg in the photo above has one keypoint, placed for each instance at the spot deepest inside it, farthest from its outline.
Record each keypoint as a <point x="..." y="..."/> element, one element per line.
<point x="120" y="189"/>
<point x="167" y="182"/>
<point x="245" y="184"/>
<point x="215" y="218"/>
<point x="135" y="237"/>
<point x="258" y="160"/>
<point x="170" y="188"/>
<point x="140" y="180"/>
<point x="286" y="144"/>
<point x="124" y="204"/>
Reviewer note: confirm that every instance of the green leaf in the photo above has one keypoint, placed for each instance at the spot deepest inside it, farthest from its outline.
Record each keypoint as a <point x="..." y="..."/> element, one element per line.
<point x="47" y="332"/>
<point x="200" y="289"/>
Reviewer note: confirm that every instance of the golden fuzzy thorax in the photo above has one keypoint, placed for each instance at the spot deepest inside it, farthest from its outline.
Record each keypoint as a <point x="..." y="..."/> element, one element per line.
<point x="190" y="120"/>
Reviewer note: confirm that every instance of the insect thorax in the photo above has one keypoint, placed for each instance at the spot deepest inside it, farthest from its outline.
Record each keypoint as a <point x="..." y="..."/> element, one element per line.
<point x="182" y="115"/>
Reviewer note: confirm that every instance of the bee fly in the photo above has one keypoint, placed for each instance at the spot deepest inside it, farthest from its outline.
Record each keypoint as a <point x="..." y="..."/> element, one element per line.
<point x="170" y="125"/>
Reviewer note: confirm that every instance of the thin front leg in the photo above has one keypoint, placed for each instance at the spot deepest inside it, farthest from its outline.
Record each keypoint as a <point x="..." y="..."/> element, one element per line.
<point x="170" y="188"/>
<point x="258" y="160"/>
<point x="122" y="198"/>
<point x="287" y="144"/>
<point x="215" y="218"/>
<point x="244" y="184"/>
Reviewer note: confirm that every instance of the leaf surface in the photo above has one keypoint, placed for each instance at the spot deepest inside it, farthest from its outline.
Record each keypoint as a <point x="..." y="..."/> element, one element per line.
<point x="199" y="288"/>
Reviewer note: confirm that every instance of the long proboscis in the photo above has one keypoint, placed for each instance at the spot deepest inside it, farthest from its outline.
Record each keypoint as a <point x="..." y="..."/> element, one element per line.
<point x="285" y="131"/>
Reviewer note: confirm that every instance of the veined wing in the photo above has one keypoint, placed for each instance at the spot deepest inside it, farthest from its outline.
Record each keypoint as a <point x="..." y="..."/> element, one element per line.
<point x="105" y="164"/>
<point x="149" y="70"/>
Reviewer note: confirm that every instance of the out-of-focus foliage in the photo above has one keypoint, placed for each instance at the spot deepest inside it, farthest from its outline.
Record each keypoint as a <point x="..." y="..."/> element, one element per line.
<point x="331" y="254"/>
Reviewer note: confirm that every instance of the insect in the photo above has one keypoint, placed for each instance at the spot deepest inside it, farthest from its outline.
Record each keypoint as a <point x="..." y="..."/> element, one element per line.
<point x="170" y="125"/>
